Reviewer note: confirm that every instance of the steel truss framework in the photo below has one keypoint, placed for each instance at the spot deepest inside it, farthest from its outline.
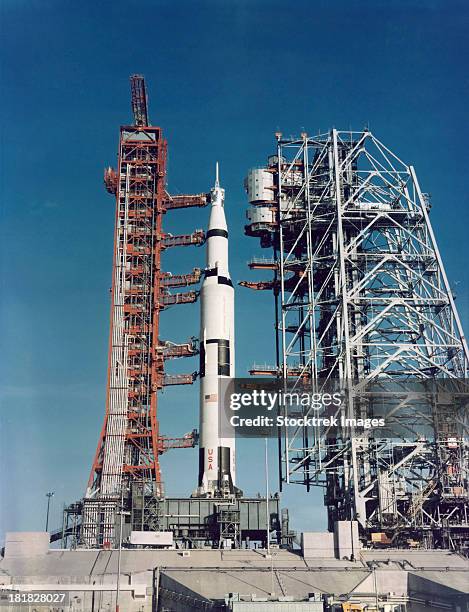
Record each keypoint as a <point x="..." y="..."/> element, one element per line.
<point x="362" y="296"/>
<point x="127" y="455"/>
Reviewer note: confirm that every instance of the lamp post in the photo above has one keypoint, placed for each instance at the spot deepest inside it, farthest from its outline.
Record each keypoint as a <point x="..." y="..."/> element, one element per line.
<point x="121" y="523"/>
<point x="267" y="496"/>
<point x="48" y="495"/>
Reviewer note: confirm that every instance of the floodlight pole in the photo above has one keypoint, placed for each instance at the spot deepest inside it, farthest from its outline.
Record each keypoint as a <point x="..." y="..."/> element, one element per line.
<point x="120" y="549"/>
<point x="267" y="524"/>
<point x="48" y="495"/>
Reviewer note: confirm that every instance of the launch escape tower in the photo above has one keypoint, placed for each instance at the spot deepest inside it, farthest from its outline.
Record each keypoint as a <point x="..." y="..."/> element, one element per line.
<point x="361" y="295"/>
<point x="126" y="470"/>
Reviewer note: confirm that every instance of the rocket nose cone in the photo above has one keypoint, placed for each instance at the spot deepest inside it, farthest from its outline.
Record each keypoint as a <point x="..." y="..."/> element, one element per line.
<point x="217" y="193"/>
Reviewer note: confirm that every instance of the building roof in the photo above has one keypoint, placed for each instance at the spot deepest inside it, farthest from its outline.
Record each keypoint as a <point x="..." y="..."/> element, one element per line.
<point x="250" y="571"/>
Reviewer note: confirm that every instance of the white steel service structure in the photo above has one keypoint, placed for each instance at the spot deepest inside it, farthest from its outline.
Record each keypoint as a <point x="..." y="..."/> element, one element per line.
<point x="362" y="296"/>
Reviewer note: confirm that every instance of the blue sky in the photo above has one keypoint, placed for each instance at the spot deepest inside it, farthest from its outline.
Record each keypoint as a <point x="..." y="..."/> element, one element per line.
<point x="222" y="78"/>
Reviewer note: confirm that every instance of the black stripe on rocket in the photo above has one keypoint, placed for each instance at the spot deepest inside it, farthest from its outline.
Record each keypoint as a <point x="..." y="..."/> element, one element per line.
<point x="222" y="280"/>
<point x="223" y="356"/>
<point x="221" y="233"/>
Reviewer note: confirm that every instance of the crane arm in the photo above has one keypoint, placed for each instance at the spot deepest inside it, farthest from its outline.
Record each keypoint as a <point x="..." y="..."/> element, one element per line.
<point x="139" y="100"/>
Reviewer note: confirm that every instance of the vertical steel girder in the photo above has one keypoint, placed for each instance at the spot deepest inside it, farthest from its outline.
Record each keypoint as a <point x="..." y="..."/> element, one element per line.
<point x="363" y="297"/>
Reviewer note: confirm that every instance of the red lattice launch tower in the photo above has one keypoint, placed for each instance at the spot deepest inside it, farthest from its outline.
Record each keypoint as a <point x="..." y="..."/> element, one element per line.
<point x="127" y="455"/>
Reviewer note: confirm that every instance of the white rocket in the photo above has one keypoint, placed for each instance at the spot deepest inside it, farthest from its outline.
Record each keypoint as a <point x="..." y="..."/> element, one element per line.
<point x="216" y="454"/>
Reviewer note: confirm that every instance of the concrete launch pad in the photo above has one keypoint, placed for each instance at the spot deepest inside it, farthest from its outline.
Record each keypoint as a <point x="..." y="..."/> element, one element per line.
<point x="182" y="580"/>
